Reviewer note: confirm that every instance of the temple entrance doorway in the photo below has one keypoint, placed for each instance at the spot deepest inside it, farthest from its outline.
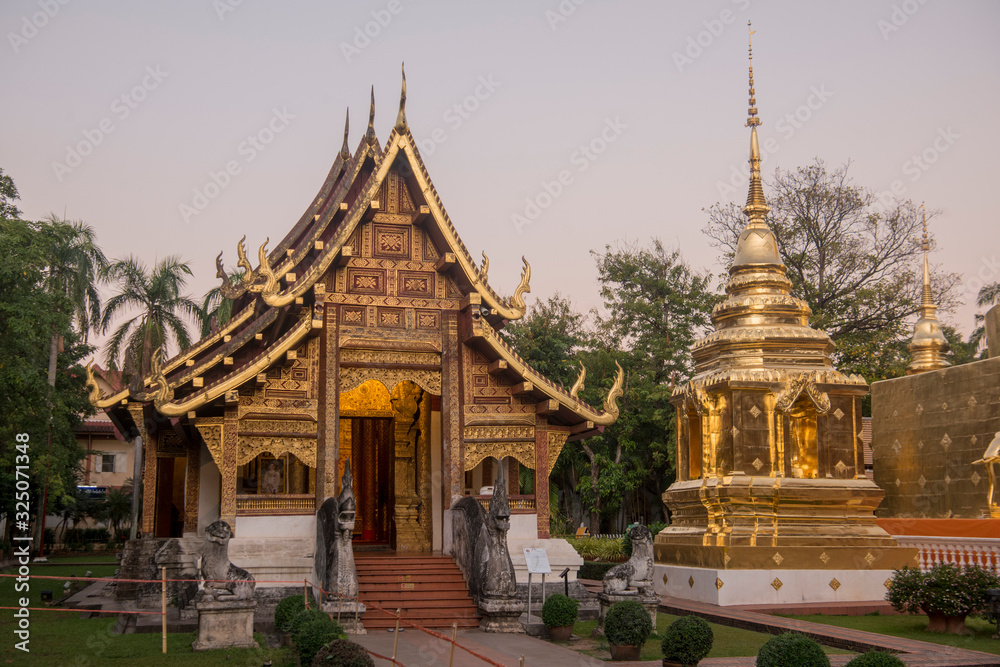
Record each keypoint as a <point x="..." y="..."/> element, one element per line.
<point x="372" y="466"/>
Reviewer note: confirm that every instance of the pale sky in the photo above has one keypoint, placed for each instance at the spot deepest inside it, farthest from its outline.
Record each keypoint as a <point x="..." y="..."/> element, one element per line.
<point x="118" y="113"/>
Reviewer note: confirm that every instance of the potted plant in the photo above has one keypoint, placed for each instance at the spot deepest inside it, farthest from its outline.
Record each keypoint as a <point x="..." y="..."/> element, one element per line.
<point x="627" y="627"/>
<point x="946" y="593"/>
<point x="559" y="615"/>
<point x="686" y="642"/>
<point x="791" y="650"/>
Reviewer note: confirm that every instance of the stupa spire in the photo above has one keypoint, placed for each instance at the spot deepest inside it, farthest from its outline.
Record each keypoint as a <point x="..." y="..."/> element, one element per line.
<point x="756" y="208"/>
<point x="929" y="345"/>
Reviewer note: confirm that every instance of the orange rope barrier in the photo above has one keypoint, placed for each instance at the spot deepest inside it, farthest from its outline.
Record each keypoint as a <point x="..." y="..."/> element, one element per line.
<point x="382" y="657"/>
<point x="85" y="611"/>
<point x="147" y="581"/>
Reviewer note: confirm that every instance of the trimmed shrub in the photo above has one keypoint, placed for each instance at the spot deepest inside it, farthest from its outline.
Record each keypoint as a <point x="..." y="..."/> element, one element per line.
<point x="342" y="653"/>
<point x="687" y="640"/>
<point x="559" y="610"/>
<point x="944" y="589"/>
<point x="313" y="634"/>
<point x="791" y="650"/>
<point x="287" y="609"/>
<point x="627" y="624"/>
<point x="876" y="658"/>
<point x="594" y="570"/>
<point x="303" y="616"/>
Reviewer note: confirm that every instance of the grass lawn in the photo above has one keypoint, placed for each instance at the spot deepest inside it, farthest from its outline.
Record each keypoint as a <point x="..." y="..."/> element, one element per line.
<point x="914" y="626"/>
<point x="63" y="638"/>
<point x="729" y="642"/>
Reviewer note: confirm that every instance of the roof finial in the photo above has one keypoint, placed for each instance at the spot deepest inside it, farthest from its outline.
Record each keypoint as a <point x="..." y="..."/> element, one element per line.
<point x="370" y="135"/>
<point x="752" y="119"/>
<point x="756" y="208"/>
<point x="927" y="299"/>
<point x="345" y="152"/>
<point x="929" y="344"/>
<point x="401" y="117"/>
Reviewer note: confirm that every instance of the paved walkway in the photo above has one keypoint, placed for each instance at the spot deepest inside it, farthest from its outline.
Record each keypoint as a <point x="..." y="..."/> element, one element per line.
<point x="416" y="648"/>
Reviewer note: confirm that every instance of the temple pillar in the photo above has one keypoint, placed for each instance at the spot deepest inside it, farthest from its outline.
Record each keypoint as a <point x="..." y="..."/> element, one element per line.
<point x="513" y="477"/>
<point x="541" y="476"/>
<point x="149" y="472"/>
<point x="328" y="413"/>
<point x="424" y="469"/>
<point x="191" y="486"/>
<point x="406" y="403"/>
<point x="230" y="440"/>
<point x="452" y="455"/>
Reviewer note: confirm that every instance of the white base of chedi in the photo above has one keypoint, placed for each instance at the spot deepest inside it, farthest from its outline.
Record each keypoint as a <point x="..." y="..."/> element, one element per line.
<point x="777" y="586"/>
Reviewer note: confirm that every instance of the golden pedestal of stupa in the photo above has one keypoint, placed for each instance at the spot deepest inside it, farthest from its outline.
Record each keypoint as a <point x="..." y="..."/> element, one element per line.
<point x="771" y="503"/>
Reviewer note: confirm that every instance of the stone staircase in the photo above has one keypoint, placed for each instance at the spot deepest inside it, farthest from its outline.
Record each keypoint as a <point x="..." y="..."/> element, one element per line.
<point x="429" y="588"/>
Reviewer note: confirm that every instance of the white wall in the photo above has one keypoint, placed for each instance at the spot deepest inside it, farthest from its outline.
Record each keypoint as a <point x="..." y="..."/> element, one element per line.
<point x="210" y="484"/>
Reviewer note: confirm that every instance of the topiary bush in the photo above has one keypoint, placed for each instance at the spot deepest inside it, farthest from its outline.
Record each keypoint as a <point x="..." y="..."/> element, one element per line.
<point x="687" y="640"/>
<point x="559" y="611"/>
<point x="287" y="609"/>
<point x="313" y="633"/>
<point x="342" y="653"/>
<point x="627" y="624"/>
<point x="876" y="658"/>
<point x="944" y="589"/>
<point x="791" y="650"/>
<point x="303" y="616"/>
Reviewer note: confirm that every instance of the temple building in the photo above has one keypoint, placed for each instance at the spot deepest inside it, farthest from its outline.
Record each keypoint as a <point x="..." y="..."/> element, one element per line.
<point x="771" y="502"/>
<point x="367" y="333"/>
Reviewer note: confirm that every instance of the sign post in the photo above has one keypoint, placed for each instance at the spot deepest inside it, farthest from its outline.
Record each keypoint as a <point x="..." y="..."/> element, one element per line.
<point x="538" y="563"/>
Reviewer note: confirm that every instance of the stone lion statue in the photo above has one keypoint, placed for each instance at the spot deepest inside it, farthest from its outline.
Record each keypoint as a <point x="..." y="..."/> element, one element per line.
<point x="637" y="573"/>
<point x="223" y="581"/>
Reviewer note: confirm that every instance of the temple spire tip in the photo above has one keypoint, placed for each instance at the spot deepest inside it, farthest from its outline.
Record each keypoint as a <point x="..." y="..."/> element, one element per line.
<point x="345" y="151"/>
<point x="370" y="135"/>
<point x="401" y="117"/>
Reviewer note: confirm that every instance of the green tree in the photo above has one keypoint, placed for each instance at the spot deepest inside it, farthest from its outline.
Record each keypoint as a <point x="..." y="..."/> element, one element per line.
<point x="989" y="296"/>
<point x="162" y="309"/>
<point x="8" y="195"/>
<point x="215" y="310"/>
<point x="853" y="258"/>
<point x="657" y="306"/>
<point x="30" y="314"/>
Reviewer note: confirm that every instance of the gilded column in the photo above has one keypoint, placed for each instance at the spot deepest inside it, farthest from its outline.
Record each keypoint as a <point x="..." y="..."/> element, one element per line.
<point x="191" y="484"/>
<point x="149" y="470"/>
<point x="230" y="440"/>
<point x="452" y="456"/>
<point x="424" y="468"/>
<point x="541" y="476"/>
<point x="328" y="412"/>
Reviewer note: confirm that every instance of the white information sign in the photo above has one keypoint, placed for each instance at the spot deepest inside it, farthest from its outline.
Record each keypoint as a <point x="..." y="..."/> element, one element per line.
<point x="537" y="561"/>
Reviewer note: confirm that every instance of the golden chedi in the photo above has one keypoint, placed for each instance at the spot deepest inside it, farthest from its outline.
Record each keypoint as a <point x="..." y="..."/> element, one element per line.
<point x="928" y="346"/>
<point x="771" y="502"/>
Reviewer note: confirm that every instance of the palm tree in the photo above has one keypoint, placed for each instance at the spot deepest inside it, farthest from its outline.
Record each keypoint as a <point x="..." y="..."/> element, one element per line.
<point x="157" y="295"/>
<point x="215" y="310"/>
<point x="989" y="295"/>
<point x="75" y="267"/>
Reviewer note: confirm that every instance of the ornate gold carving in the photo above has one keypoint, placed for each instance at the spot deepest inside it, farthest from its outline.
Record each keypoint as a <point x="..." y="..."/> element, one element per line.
<point x="557" y="439"/>
<point x="578" y="385"/>
<point x="516" y="302"/>
<point x="476" y="452"/>
<point x="389" y="357"/>
<point x="211" y="433"/>
<point x="500" y="432"/>
<point x="94" y="393"/>
<point x="804" y="382"/>
<point x="776" y="584"/>
<point x="834" y="584"/>
<point x="250" y="447"/>
<point x="824" y="557"/>
<point x="777" y="558"/>
<point x="611" y="400"/>
<point x="370" y="399"/>
<point x="690" y="582"/>
<point x="719" y="583"/>
<point x="428" y="380"/>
